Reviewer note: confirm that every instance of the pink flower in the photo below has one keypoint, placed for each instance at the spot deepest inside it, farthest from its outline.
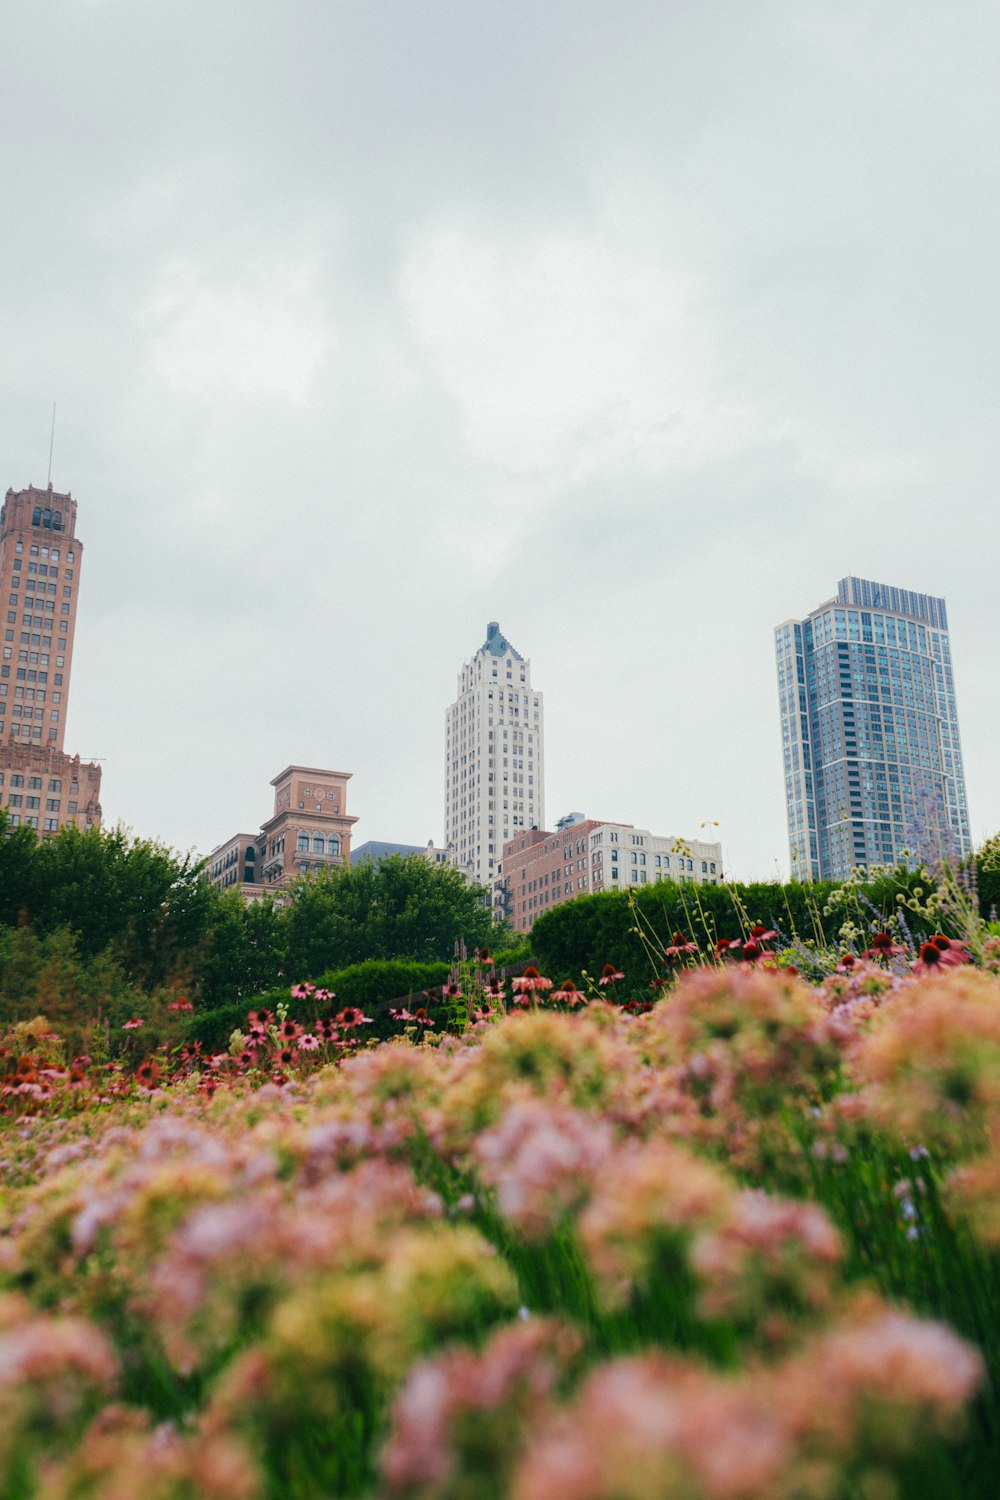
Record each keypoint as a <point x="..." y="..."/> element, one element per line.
<point x="940" y="953"/>
<point x="308" y="1043"/>
<point x="609" y="974"/>
<point x="531" y="980"/>
<point x="133" y="1025"/>
<point x="351" y="1016"/>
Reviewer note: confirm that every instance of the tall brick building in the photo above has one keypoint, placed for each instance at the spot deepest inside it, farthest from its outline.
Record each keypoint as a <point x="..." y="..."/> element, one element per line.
<point x="40" y="561"/>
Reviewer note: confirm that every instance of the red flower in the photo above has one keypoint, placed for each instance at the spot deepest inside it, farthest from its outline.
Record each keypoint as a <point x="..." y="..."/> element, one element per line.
<point x="351" y="1016"/>
<point x="847" y="962"/>
<point x="680" y="944"/>
<point x="148" y="1072"/>
<point x="883" y="947"/>
<point x="761" y="934"/>
<point x="568" y="994"/>
<point x="609" y="974"/>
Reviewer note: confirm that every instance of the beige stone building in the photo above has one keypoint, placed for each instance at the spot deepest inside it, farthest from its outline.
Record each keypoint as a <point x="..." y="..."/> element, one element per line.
<point x="40" y="563"/>
<point x="494" y="778"/>
<point x="310" y="829"/>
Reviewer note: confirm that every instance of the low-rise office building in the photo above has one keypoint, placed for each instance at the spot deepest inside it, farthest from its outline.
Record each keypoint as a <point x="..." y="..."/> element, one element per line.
<point x="542" y="869"/>
<point x="310" y="829"/>
<point x="382" y="849"/>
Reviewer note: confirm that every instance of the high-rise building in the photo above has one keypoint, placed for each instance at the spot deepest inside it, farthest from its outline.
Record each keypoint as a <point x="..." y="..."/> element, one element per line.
<point x="40" y="562"/>
<point x="872" y="759"/>
<point x="494" y="758"/>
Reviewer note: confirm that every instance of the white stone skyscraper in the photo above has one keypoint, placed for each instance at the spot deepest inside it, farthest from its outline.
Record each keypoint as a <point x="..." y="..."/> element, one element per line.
<point x="873" y="763"/>
<point x="494" y="758"/>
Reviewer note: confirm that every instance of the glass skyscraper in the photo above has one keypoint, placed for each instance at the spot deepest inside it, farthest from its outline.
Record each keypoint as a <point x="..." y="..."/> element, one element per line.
<point x="869" y="729"/>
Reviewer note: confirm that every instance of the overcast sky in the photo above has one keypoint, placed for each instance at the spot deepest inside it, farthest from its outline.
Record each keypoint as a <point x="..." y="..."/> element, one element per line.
<point x="633" y="326"/>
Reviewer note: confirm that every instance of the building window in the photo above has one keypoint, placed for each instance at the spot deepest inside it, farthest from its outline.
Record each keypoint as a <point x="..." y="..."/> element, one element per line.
<point x="333" y="844"/>
<point x="302" y="844"/>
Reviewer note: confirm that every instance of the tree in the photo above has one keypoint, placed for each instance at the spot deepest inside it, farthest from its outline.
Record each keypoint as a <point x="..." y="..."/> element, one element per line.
<point x="111" y="890"/>
<point x="400" y="907"/>
<point x="245" y="955"/>
<point x="17" y="851"/>
<point x="987" y="859"/>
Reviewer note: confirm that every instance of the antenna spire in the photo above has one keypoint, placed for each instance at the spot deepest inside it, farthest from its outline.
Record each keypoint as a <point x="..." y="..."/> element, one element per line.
<point x="52" y="440"/>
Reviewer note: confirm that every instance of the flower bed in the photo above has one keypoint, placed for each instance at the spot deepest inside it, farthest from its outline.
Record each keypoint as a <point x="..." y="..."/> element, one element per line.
<point x="742" y="1240"/>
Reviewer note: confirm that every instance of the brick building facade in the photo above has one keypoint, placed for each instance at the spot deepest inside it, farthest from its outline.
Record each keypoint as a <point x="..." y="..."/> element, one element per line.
<point x="40" y="562"/>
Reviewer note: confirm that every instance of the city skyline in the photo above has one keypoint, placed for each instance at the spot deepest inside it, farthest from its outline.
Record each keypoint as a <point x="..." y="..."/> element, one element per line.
<point x="872" y="754"/>
<point x="368" y="324"/>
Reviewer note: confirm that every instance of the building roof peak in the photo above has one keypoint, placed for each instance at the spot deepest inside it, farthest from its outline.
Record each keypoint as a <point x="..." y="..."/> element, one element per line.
<point x="497" y="644"/>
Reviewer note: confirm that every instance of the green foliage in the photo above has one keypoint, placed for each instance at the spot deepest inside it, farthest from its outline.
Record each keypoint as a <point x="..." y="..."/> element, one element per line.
<point x="150" y="906"/>
<point x="987" y="860"/>
<point x="594" y="930"/>
<point x="371" y="986"/>
<point x="988" y="854"/>
<point x="377" y="980"/>
<point x="400" y="907"/>
<point x="46" y="975"/>
<point x="17" y="850"/>
<point x="213" y="1027"/>
<point x="244" y="953"/>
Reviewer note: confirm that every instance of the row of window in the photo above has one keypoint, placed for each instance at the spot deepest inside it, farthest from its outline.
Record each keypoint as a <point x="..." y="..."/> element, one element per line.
<point x="319" y="845"/>
<point x="30" y="820"/>
<point x="34" y="783"/>
<point x="35" y="550"/>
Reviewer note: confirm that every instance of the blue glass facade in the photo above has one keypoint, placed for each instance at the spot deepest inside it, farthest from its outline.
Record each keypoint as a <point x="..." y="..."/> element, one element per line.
<point x="869" y="728"/>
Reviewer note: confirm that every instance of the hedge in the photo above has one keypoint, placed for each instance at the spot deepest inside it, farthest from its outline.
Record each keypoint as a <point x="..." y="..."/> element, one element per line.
<point x="591" y="931"/>
<point x="371" y="986"/>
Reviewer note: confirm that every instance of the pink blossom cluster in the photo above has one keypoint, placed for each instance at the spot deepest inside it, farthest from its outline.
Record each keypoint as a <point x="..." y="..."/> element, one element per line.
<point x="570" y="1250"/>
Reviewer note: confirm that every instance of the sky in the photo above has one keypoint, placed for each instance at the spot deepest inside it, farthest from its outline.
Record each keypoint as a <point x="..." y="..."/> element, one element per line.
<point x="632" y="326"/>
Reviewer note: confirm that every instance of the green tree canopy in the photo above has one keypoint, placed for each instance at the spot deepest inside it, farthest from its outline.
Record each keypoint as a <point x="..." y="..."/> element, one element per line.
<point x="400" y="907"/>
<point x="109" y="889"/>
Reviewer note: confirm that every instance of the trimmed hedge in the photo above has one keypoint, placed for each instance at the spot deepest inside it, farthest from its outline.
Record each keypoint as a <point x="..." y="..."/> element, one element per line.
<point x="382" y="979"/>
<point x="591" y="931"/>
<point x="371" y="986"/>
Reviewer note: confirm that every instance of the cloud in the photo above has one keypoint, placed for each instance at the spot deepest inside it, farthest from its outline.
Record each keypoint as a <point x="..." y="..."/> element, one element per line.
<point x="573" y="347"/>
<point x="221" y="331"/>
